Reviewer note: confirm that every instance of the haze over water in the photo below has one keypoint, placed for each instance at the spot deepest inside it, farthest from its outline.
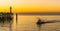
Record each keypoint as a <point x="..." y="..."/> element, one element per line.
<point x="28" y="23"/>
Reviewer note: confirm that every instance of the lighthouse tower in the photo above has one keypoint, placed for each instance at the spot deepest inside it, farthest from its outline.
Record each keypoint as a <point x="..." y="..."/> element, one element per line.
<point x="10" y="9"/>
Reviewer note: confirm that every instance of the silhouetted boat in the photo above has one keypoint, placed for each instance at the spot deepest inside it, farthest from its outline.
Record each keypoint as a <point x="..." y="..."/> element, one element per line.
<point x="42" y="22"/>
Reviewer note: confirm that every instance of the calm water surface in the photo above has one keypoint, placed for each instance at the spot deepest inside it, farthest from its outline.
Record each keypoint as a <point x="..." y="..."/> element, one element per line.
<point x="28" y="23"/>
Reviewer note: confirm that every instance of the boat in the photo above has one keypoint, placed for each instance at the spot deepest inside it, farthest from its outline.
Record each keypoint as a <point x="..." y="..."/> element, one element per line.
<point x="39" y="22"/>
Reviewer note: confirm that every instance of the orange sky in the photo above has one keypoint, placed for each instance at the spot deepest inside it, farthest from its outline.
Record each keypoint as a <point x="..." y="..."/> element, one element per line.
<point x="30" y="5"/>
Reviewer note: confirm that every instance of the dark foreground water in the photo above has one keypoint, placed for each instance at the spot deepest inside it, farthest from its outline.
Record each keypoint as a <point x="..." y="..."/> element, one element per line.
<point x="28" y="23"/>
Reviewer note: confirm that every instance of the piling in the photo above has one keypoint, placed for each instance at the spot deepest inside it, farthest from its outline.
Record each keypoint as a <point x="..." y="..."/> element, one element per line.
<point x="16" y="20"/>
<point x="16" y="17"/>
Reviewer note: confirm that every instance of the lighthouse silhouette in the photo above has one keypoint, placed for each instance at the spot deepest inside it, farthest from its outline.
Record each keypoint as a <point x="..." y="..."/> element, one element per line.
<point x="10" y="9"/>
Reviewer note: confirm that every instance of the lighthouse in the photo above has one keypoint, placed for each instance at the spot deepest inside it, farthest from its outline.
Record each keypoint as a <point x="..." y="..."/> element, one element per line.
<point x="10" y="9"/>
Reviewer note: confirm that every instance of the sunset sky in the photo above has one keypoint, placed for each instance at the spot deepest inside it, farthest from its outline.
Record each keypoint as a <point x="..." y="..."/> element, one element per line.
<point x="23" y="6"/>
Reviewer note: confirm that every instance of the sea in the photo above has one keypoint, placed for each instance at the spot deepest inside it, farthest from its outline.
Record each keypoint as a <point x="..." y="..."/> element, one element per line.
<point x="28" y="23"/>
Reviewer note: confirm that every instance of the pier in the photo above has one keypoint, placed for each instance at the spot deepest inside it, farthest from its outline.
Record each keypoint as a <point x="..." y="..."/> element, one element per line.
<point x="5" y="16"/>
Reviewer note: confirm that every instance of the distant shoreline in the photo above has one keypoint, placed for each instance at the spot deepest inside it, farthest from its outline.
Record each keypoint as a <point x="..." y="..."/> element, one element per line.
<point x="46" y="13"/>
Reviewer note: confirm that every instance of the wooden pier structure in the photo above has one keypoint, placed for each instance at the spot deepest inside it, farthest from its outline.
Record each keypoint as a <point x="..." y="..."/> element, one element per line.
<point x="6" y="15"/>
